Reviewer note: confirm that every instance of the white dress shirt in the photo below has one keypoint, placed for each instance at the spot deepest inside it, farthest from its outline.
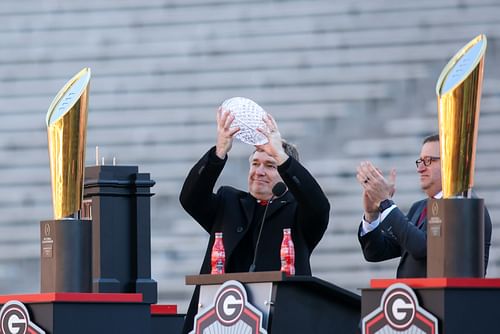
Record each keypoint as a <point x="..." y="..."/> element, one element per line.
<point x="367" y="227"/>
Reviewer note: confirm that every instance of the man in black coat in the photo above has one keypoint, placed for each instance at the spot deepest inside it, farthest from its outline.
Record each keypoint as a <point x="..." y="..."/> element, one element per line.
<point x="239" y="214"/>
<point x="386" y="232"/>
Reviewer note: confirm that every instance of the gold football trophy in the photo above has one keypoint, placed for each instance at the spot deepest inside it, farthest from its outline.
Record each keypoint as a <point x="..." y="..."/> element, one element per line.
<point x="459" y="93"/>
<point x="67" y="127"/>
<point x="66" y="240"/>
<point x="455" y="229"/>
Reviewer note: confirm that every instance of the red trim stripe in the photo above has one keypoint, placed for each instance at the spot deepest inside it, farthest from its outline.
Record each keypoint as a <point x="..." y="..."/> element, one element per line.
<point x="426" y="321"/>
<point x="163" y="309"/>
<point x="74" y="297"/>
<point x="439" y="282"/>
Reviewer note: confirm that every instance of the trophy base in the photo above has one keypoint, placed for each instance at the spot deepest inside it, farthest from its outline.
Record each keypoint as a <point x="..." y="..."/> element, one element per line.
<point x="455" y="237"/>
<point x="66" y="255"/>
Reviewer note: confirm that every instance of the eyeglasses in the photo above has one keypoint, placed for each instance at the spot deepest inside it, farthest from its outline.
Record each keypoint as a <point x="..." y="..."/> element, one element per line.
<point x="426" y="161"/>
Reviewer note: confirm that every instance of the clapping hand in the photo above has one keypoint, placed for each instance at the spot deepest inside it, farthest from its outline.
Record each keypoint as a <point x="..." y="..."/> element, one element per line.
<point x="376" y="187"/>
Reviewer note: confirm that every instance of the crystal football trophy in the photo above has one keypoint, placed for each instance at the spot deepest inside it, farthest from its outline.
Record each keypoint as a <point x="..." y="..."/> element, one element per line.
<point x="66" y="240"/>
<point x="248" y="117"/>
<point x="455" y="229"/>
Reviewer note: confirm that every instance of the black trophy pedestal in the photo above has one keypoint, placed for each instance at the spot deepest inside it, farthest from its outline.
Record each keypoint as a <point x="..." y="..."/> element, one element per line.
<point x="66" y="254"/>
<point x="455" y="237"/>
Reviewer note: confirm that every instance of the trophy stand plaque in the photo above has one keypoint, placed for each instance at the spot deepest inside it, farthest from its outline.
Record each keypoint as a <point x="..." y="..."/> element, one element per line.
<point x="66" y="255"/>
<point x="455" y="237"/>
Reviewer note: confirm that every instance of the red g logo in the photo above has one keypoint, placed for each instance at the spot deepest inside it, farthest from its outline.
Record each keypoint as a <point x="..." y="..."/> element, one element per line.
<point x="399" y="312"/>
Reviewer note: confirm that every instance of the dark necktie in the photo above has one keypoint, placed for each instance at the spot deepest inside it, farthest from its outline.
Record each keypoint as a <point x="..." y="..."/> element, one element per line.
<point x="422" y="217"/>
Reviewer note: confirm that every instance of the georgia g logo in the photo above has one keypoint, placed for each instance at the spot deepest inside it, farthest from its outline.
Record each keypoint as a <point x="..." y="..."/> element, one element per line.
<point x="14" y="319"/>
<point x="229" y="305"/>
<point x="231" y="312"/>
<point x="399" y="312"/>
<point x="399" y="308"/>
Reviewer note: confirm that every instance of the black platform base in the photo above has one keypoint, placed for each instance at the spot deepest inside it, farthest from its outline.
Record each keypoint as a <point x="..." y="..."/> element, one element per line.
<point x="462" y="305"/>
<point x="84" y="313"/>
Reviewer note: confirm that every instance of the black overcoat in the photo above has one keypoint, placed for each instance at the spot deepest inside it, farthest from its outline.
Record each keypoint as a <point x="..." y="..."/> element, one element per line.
<point x="304" y="208"/>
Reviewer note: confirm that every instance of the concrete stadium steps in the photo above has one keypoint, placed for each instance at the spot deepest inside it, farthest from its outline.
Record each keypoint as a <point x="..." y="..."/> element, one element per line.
<point x="256" y="44"/>
<point x="20" y="276"/>
<point x="258" y="16"/>
<point x="127" y="117"/>
<point x="161" y="81"/>
<point x="210" y="99"/>
<point x="30" y="213"/>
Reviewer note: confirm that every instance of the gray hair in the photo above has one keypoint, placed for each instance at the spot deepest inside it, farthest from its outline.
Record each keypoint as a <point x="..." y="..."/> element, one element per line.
<point x="290" y="149"/>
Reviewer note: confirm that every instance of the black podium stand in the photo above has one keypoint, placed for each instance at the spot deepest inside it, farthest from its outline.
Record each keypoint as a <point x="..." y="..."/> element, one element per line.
<point x="117" y="199"/>
<point x="83" y="313"/>
<point x="461" y="305"/>
<point x="296" y="304"/>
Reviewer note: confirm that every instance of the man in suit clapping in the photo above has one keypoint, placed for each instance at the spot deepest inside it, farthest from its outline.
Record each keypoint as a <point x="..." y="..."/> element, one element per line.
<point x="386" y="232"/>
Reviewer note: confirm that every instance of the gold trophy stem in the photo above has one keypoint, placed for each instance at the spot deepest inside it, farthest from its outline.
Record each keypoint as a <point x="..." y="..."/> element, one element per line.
<point x="67" y="128"/>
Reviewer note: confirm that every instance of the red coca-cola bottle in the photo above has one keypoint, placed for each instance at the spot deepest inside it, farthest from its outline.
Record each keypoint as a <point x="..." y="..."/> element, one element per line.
<point x="287" y="253"/>
<point x="218" y="255"/>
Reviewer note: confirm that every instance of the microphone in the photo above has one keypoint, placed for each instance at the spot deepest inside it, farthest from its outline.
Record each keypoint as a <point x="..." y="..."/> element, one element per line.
<point x="278" y="190"/>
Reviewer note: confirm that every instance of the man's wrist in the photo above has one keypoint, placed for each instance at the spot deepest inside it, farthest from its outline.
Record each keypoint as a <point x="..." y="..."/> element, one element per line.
<point x="281" y="158"/>
<point x="385" y="204"/>
<point x="220" y="153"/>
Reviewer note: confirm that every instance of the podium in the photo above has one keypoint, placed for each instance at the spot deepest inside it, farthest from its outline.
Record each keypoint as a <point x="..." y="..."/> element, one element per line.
<point x="83" y="313"/>
<point x="287" y="304"/>
<point x="459" y="305"/>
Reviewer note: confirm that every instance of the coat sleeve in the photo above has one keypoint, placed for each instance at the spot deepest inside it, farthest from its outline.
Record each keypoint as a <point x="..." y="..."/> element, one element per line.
<point x="395" y="234"/>
<point x="197" y="196"/>
<point x="408" y="236"/>
<point x="313" y="206"/>
<point x="378" y="245"/>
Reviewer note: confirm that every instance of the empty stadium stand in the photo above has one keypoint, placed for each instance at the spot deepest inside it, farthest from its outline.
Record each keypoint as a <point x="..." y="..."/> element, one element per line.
<point x="347" y="80"/>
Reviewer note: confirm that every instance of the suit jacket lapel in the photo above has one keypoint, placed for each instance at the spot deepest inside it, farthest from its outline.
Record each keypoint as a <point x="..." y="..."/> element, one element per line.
<point x="420" y="210"/>
<point x="414" y="219"/>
